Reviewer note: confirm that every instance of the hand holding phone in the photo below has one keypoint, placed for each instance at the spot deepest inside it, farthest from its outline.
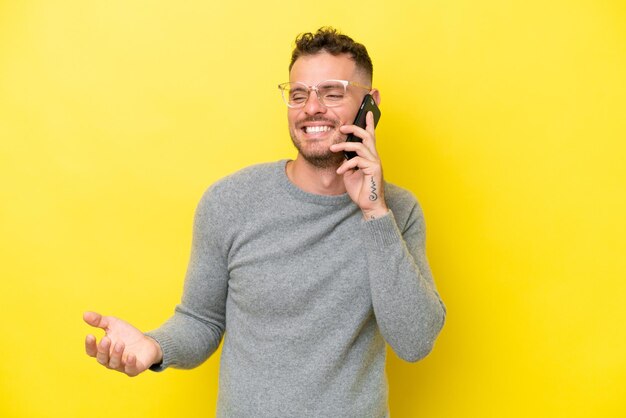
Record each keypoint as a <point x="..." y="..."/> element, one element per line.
<point x="367" y="105"/>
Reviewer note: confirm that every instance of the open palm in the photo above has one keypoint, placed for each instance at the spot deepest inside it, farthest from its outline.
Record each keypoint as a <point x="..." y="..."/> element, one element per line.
<point x="124" y="348"/>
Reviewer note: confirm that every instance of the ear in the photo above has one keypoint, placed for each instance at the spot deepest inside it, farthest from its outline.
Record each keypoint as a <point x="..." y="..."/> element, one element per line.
<point x="376" y="95"/>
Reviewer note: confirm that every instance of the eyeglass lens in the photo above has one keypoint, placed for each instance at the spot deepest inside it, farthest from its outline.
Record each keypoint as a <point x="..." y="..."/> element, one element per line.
<point x="329" y="93"/>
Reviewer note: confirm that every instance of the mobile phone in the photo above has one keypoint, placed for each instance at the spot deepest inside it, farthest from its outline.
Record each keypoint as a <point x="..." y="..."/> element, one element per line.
<point x="367" y="105"/>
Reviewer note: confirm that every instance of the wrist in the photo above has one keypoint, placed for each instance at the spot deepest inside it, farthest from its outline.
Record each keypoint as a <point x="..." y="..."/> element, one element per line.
<point x="158" y="359"/>
<point x="372" y="214"/>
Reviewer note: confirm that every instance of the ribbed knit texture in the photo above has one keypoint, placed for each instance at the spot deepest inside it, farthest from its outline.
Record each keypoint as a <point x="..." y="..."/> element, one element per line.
<point x="305" y="293"/>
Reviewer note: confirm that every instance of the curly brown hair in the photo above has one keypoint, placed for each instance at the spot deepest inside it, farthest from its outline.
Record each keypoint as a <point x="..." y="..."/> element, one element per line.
<point x="328" y="39"/>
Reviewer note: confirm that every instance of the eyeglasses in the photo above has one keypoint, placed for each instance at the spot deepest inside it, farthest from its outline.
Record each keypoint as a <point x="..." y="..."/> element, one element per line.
<point x="330" y="93"/>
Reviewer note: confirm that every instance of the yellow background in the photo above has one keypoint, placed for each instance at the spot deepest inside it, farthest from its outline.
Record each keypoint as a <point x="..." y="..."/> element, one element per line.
<point x="505" y="118"/>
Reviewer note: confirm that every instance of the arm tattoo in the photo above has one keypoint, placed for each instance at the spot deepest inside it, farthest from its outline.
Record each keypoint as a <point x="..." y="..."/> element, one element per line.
<point x="373" y="195"/>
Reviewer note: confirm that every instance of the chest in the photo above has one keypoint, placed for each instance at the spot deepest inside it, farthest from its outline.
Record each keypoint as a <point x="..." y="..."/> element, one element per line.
<point x="298" y="262"/>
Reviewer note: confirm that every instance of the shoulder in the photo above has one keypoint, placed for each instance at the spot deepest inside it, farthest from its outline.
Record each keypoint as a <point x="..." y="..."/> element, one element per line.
<point x="239" y="187"/>
<point x="249" y="177"/>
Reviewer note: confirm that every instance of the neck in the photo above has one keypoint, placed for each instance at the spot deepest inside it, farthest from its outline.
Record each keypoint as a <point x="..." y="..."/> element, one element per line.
<point x="311" y="179"/>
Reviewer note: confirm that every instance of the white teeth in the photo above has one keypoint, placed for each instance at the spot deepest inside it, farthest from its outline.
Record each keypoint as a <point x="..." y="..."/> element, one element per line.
<point x="315" y="129"/>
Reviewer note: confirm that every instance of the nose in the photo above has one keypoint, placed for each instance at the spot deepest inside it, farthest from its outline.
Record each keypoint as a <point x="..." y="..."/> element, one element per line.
<point x="313" y="105"/>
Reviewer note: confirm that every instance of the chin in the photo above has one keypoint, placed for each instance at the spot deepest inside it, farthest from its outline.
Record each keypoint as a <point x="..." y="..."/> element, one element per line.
<point x="321" y="158"/>
<point x="331" y="160"/>
<point x="317" y="153"/>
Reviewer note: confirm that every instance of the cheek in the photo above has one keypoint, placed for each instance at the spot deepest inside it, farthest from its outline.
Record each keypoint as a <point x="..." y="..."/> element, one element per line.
<point x="347" y="113"/>
<point x="345" y="117"/>
<point x="292" y="116"/>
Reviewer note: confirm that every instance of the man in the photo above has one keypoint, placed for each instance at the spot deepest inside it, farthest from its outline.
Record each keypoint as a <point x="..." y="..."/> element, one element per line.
<point x="306" y="267"/>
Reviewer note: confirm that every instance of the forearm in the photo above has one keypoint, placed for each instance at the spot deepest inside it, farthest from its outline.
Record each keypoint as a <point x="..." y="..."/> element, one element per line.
<point x="195" y="330"/>
<point x="408" y="309"/>
<point x="185" y="341"/>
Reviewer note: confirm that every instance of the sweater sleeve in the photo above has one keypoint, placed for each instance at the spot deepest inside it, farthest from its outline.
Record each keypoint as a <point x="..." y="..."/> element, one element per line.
<point x="196" y="328"/>
<point x="408" y="309"/>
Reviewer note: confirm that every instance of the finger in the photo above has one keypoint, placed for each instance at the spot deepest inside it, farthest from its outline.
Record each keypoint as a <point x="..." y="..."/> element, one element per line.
<point x="130" y="368"/>
<point x="103" y="351"/>
<point x="351" y="164"/>
<point x="116" y="355"/>
<point x="90" y="346"/>
<point x="367" y="136"/>
<point x="96" y="320"/>
<point x="370" y="142"/>
<point x="353" y="129"/>
<point x="357" y="147"/>
<point x="369" y="124"/>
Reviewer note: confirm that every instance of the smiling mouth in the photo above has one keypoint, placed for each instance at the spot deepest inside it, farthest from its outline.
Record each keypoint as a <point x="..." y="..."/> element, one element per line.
<point x="316" y="129"/>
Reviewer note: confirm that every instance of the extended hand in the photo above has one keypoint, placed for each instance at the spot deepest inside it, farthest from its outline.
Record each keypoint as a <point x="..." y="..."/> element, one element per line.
<point x="365" y="185"/>
<point x="124" y="348"/>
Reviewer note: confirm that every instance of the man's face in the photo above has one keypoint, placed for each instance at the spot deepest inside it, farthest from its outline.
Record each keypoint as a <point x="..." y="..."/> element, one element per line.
<point x="315" y="127"/>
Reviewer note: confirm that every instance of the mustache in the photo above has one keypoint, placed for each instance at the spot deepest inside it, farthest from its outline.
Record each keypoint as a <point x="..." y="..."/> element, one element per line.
<point x="333" y="122"/>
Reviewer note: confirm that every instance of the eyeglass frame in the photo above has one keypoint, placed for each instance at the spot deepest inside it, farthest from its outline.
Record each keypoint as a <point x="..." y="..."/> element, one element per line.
<point x="309" y="88"/>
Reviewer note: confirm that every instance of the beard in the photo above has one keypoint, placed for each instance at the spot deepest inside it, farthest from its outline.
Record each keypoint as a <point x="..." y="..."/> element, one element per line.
<point x="318" y="153"/>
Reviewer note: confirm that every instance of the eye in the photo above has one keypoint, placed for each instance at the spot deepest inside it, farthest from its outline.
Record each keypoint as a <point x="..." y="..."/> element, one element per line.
<point x="298" y="95"/>
<point x="333" y="96"/>
<point x="298" y="98"/>
<point x="332" y="92"/>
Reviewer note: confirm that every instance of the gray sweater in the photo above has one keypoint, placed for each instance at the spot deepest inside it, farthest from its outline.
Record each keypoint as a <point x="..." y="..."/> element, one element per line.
<point x="305" y="293"/>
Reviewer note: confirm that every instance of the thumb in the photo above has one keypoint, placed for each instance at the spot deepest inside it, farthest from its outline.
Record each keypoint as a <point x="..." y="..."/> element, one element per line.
<point x="96" y="320"/>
